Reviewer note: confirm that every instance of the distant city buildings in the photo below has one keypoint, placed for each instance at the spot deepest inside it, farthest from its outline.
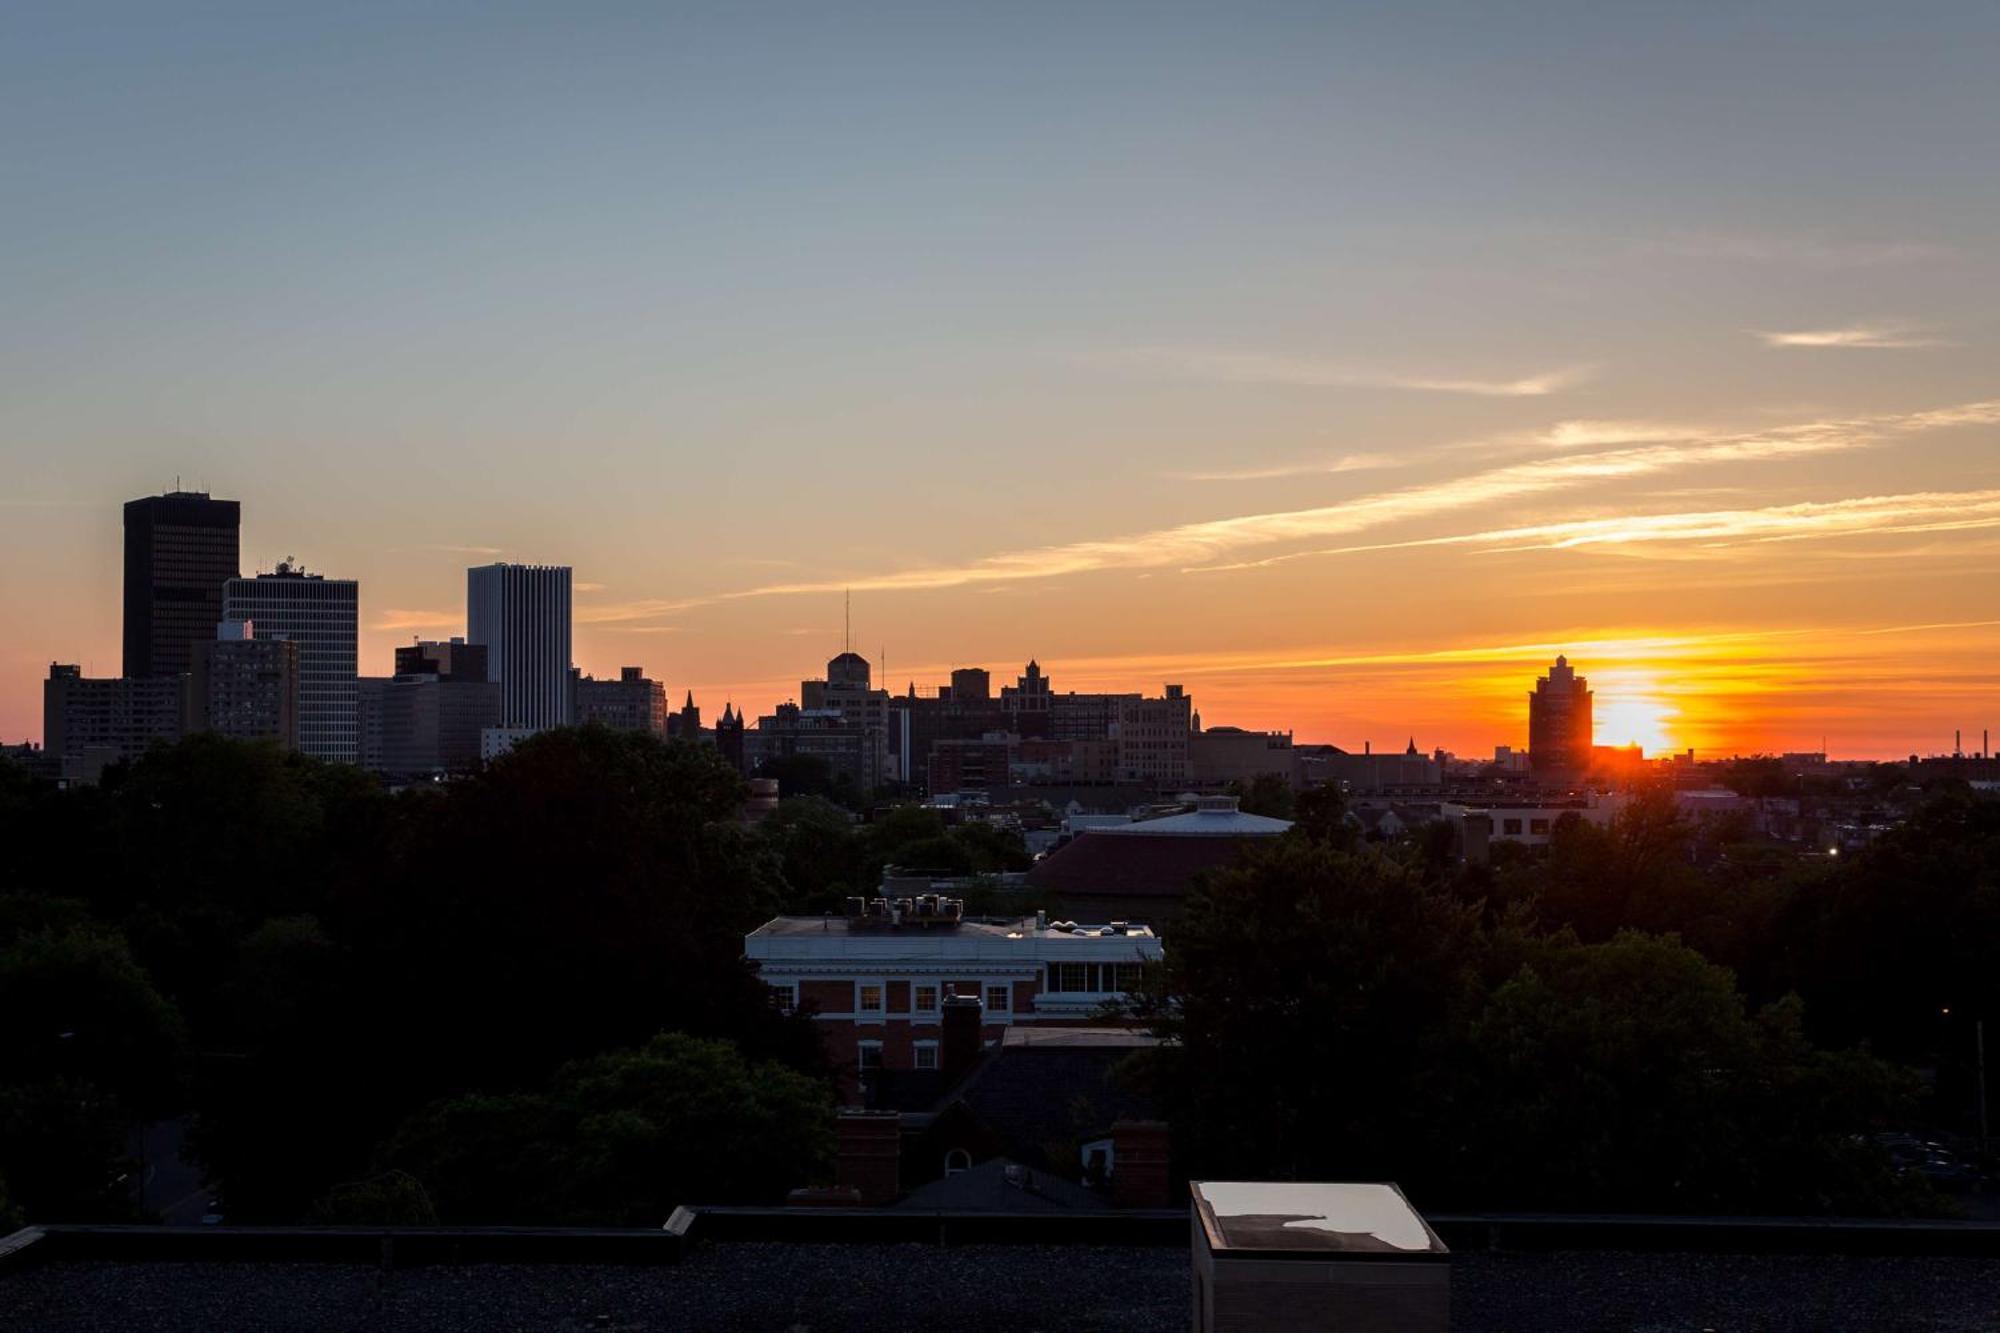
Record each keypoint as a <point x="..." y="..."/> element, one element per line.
<point x="180" y="548"/>
<point x="1559" y="722"/>
<point x="521" y="614"/>
<point x="89" y="723"/>
<point x="1219" y="756"/>
<point x="630" y="703"/>
<point x="244" y="687"/>
<point x="428" y="719"/>
<point x="321" y="617"/>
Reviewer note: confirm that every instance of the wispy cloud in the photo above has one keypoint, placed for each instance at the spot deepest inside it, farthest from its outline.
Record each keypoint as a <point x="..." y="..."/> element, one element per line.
<point x="1203" y="543"/>
<point x="1313" y="467"/>
<point x="1918" y="512"/>
<point x="1884" y="335"/>
<point x="465" y="550"/>
<point x="1258" y="368"/>
<point x="399" y="618"/>
<point x="612" y="613"/>
<point x="587" y="587"/>
<point x="1807" y="251"/>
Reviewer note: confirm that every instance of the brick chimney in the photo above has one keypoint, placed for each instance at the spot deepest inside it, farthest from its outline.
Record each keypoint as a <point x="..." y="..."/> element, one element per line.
<point x="868" y="1155"/>
<point x="1140" y="1164"/>
<point x="959" y="1049"/>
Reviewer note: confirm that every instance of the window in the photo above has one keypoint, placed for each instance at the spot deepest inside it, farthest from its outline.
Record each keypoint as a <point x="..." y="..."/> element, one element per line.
<point x="868" y="998"/>
<point x="957" y="1160"/>
<point x="999" y="999"/>
<point x="1130" y="976"/>
<point x="926" y="1054"/>
<point x="1070" y="977"/>
<point x="927" y="999"/>
<point x="1511" y="827"/>
<point x="784" y="995"/>
<point x="1538" y="826"/>
<point x="869" y="1055"/>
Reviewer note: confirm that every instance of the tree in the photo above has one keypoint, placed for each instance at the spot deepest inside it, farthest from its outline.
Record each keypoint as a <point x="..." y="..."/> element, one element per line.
<point x="1266" y="794"/>
<point x="1627" y="1075"/>
<point x="622" y="1138"/>
<point x="1303" y="990"/>
<point x="88" y="1050"/>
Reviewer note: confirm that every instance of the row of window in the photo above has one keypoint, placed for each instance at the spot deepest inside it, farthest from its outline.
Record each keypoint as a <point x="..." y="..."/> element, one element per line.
<point x="1512" y="827"/>
<point x="1094" y="978"/>
<point x="870" y="997"/>
<point x="923" y="1054"/>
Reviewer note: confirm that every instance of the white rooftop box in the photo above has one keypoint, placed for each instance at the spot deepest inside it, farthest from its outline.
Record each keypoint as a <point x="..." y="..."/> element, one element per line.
<point x="1332" y="1258"/>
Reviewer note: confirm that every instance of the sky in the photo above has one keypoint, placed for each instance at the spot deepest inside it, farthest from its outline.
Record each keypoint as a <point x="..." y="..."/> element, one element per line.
<point x="1343" y="363"/>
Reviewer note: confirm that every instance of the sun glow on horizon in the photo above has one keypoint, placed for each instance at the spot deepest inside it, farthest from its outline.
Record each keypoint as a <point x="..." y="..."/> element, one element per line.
<point x="1632" y="708"/>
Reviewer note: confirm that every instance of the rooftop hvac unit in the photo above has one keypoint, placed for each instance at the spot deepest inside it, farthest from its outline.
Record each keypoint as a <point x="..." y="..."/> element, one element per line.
<point x="1334" y="1258"/>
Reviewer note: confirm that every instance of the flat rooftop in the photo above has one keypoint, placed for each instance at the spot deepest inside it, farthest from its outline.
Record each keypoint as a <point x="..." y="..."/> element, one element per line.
<point x="834" y="1288"/>
<point x="987" y="928"/>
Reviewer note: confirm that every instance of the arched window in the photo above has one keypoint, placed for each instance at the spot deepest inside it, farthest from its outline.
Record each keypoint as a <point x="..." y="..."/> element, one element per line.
<point x="957" y="1160"/>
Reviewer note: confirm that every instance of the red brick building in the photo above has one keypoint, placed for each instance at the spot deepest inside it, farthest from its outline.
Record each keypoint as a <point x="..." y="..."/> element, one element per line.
<point x="878" y="979"/>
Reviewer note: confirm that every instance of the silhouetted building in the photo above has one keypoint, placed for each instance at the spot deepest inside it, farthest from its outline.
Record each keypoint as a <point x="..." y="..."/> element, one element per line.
<point x="1152" y="737"/>
<point x="447" y="659"/>
<point x="88" y="723"/>
<point x="1140" y="871"/>
<point x="685" y="724"/>
<point x="848" y="691"/>
<point x="1559" y="725"/>
<point x="969" y="766"/>
<point x="321" y="617"/>
<point x="1409" y="771"/>
<point x="851" y="752"/>
<point x="522" y="614"/>
<point x="630" y="703"/>
<point x="428" y="720"/>
<point x="244" y="687"/>
<point x="729" y="737"/>
<point x="180" y="548"/>
<point x="1028" y="703"/>
<point x="1222" y="755"/>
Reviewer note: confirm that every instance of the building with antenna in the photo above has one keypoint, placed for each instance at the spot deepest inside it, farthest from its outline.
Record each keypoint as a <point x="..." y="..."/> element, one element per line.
<point x="321" y="616"/>
<point x="180" y="548"/>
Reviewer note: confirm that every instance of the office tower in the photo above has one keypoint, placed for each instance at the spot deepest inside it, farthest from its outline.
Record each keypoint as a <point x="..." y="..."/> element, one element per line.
<point x="88" y="723"/>
<point x="630" y="703"/>
<point x="320" y="616"/>
<point x="1559" y="726"/>
<point x="427" y="721"/>
<point x="244" y="687"/>
<point x="180" y="548"/>
<point x="521" y="614"/>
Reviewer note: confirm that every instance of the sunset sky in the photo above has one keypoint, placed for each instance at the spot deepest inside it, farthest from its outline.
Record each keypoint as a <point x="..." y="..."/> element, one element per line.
<point x="1344" y="363"/>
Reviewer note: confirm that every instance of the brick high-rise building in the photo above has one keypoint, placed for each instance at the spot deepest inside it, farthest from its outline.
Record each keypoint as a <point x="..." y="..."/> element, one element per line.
<point x="180" y="548"/>
<point x="244" y="687"/>
<point x="630" y="703"/>
<point x="1559" y="724"/>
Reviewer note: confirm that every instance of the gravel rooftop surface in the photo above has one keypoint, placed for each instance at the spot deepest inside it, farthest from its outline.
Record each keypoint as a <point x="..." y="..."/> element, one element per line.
<point x="1020" y="1289"/>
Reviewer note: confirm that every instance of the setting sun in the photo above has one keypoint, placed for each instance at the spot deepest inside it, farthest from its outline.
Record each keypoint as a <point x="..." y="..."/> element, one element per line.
<point x="1631" y="710"/>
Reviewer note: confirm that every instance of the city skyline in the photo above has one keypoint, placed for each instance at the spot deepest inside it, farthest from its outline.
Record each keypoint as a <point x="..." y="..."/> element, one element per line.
<point x="1344" y="367"/>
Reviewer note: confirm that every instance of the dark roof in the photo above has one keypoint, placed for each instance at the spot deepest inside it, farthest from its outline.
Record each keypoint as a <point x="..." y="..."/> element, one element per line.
<point x="1133" y="869"/>
<point x="834" y="1288"/>
<point x="1001" y="1185"/>
<point x="1035" y="1099"/>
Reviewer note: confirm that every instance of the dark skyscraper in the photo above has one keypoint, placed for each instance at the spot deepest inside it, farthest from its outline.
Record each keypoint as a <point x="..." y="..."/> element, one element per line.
<point x="180" y="548"/>
<point x="1559" y="725"/>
